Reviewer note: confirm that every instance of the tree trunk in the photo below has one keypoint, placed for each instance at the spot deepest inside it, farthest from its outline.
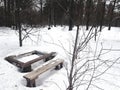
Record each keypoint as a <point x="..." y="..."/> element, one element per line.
<point x="41" y="11"/>
<point x="73" y="60"/>
<point x="111" y="14"/>
<point x="5" y="10"/>
<point x="102" y="16"/>
<point x="49" y="15"/>
<point x="88" y="12"/>
<point x="19" y="22"/>
<point x="71" y="15"/>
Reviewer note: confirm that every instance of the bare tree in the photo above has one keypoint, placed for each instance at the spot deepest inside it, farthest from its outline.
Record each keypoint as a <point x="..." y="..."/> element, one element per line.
<point x="71" y="6"/>
<point x="18" y="21"/>
<point x="86" y="63"/>
<point x="5" y="10"/>
<point x="71" y="86"/>
<point x="100" y="13"/>
<point x="88" y="11"/>
<point x="111" y="12"/>
<point x="41" y="10"/>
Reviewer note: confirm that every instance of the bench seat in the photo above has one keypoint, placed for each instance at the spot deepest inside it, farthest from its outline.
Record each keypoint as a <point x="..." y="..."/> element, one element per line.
<point x="31" y="76"/>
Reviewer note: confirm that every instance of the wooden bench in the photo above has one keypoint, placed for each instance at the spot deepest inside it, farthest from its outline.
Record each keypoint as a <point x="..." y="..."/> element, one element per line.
<point x="31" y="76"/>
<point x="26" y="66"/>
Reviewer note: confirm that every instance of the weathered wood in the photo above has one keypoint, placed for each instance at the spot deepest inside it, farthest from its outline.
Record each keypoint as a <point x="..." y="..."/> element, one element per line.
<point x="34" y="74"/>
<point x="26" y="67"/>
<point x="31" y="83"/>
<point x="51" y="57"/>
<point x="29" y="53"/>
<point x="39" y="53"/>
<point x="24" y="55"/>
<point x="14" y="61"/>
<point x="37" y="59"/>
<point x="59" y="66"/>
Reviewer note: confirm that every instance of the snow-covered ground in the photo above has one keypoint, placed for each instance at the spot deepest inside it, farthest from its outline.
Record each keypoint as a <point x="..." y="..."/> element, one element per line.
<point x="59" y="40"/>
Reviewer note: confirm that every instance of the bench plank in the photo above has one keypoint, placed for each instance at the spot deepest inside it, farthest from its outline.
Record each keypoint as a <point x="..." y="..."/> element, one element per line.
<point x="48" y="65"/>
<point x="30" y="77"/>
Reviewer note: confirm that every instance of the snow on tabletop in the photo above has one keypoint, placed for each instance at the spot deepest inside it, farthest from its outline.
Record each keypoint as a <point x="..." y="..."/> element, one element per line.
<point x="28" y="58"/>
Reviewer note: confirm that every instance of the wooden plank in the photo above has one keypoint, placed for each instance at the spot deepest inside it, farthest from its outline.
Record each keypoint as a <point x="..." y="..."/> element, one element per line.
<point x="48" y="65"/>
<point x="39" y="53"/>
<point x="14" y="61"/>
<point x="37" y="59"/>
<point x="30" y="53"/>
<point x="24" y="54"/>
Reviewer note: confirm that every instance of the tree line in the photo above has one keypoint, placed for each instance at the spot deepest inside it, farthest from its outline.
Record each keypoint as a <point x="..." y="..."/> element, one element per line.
<point x="60" y="12"/>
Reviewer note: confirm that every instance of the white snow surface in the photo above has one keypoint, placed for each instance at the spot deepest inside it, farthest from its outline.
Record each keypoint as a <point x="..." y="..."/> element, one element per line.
<point x="59" y="40"/>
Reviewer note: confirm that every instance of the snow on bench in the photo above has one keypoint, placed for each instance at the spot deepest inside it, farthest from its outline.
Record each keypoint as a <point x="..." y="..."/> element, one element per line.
<point x="31" y="76"/>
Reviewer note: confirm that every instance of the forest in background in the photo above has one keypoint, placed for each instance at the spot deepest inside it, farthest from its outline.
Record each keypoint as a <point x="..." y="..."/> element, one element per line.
<point x="59" y="12"/>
